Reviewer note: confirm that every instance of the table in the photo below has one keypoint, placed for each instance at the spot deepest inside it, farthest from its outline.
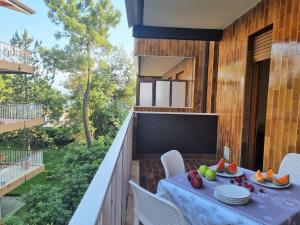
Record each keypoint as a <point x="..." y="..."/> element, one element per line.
<point x="274" y="207"/>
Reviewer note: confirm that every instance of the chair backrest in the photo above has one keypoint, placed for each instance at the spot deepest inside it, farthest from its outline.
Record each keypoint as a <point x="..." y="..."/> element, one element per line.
<point x="173" y="163"/>
<point x="154" y="210"/>
<point x="291" y="165"/>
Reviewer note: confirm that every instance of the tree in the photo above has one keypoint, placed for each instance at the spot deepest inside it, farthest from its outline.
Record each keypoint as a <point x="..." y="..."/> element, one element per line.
<point x="112" y="92"/>
<point x="86" y="27"/>
<point x="111" y="97"/>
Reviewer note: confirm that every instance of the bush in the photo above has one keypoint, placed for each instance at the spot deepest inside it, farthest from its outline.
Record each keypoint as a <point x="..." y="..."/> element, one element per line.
<point x="45" y="206"/>
<point x="61" y="136"/>
<point x="12" y="220"/>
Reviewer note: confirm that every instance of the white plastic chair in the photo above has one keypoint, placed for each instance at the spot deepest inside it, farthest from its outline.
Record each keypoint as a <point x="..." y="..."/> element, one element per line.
<point x="151" y="209"/>
<point x="173" y="163"/>
<point x="291" y="165"/>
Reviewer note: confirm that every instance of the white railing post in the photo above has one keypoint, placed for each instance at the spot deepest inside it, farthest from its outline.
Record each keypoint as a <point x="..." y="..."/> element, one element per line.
<point x="119" y="193"/>
<point x="107" y="208"/>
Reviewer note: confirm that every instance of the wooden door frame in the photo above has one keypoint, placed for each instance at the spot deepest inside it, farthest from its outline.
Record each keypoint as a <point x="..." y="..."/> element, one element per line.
<point x="253" y="114"/>
<point x="245" y="155"/>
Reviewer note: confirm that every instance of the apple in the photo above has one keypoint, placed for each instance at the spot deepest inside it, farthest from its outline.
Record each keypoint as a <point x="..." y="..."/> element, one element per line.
<point x="192" y="173"/>
<point x="196" y="182"/>
<point x="203" y="169"/>
<point x="210" y="174"/>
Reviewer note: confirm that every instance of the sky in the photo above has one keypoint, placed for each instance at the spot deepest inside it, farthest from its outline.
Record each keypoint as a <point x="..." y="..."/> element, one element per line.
<point x="40" y="27"/>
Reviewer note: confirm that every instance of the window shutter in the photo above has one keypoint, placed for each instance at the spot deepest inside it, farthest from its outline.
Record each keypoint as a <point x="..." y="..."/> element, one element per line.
<point x="262" y="46"/>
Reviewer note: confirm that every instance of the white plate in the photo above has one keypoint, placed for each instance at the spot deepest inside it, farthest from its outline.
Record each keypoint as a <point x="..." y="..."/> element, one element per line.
<point x="224" y="174"/>
<point x="268" y="184"/>
<point x="232" y="191"/>
<point x="231" y="202"/>
<point x="231" y="199"/>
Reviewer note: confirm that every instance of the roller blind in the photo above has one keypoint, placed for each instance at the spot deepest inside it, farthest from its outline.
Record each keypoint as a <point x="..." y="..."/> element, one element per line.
<point x="262" y="46"/>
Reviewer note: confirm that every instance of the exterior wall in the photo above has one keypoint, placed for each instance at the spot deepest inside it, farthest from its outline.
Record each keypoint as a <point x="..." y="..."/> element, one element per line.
<point x="283" y="117"/>
<point x="180" y="48"/>
<point x="184" y="71"/>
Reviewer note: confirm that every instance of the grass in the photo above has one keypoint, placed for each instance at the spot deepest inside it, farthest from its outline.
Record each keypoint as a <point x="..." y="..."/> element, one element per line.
<point x="53" y="159"/>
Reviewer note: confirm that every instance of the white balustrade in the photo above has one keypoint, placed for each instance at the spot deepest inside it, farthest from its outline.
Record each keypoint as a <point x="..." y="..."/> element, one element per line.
<point x="10" y="113"/>
<point x="12" y="53"/>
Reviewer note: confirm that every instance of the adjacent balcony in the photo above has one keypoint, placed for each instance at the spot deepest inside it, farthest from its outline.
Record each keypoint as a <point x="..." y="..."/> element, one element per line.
<point x="19" y="116"/>
<point x="17" y="166"/>
<point x="135" y="154"/>
<point x="15" y="60"/>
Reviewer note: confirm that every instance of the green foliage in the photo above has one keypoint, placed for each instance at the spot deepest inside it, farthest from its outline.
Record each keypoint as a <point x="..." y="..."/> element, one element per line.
<point x="86" y="26"/>
<point x="38" y="137"/>
<point x="13" y="220"/>
<point x="84" y="21"/>
<point x="45" y="206"/>
<point x="35" y="137"/>
<point x="112" y="95"/>
<point x="61" y="135"/>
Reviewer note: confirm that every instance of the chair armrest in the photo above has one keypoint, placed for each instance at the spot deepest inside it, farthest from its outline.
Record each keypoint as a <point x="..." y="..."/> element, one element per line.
<point x="161" y="194"/>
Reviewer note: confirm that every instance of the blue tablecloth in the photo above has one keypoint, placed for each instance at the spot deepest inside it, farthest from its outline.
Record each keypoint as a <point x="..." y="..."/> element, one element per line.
<point x="274" y="207"/>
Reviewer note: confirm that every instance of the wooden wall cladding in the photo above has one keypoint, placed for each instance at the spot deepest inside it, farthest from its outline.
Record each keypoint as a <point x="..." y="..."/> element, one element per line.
<point x="283" y="107"/>
<point x="180" y="48"/>
<point x="212" y="77"/>
<point x="184" y="71"/>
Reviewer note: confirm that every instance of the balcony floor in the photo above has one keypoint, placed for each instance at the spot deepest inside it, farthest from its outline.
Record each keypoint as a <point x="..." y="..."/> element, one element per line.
<point x="151" y="169"/>
<point x="7" y="125"/>
<point x="13" y="176"/>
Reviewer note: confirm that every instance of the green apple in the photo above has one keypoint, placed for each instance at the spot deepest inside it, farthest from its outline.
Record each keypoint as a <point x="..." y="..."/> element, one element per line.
<point x="210" y="174"/>
<point x="202" y="170"/>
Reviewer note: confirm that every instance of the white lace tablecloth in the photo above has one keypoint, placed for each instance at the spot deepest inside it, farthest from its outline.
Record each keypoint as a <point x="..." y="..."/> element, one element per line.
<point x="274" y="207"/>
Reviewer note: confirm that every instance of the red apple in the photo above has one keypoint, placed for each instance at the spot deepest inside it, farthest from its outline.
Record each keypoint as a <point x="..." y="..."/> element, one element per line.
<point x="192" y="173"/>
<point x="196" y="182"/>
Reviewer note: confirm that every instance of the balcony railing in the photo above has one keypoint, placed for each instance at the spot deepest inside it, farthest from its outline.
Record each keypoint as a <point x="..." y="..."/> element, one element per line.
<point x="12" y="53"/>
<point x="11" y="113"/>
<point x="15" y="163"/>
<point x="105" y="200"/>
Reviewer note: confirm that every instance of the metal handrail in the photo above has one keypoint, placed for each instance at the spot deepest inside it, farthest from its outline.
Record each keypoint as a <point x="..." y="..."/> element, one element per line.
<point x="105" y="199"/>
<point x="12" y="53"/>
<point x="12" y="156"/>
<point x="14" y="112"/>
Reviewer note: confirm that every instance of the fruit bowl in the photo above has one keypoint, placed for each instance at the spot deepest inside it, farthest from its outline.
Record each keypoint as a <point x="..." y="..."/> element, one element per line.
<point x="229" y="175"/>
<point x="268" y="184"/>
<point x="227" y="170"/>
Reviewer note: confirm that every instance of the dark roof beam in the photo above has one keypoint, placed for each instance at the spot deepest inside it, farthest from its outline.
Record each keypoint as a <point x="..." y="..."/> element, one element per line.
<point x="140" y="31"/>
